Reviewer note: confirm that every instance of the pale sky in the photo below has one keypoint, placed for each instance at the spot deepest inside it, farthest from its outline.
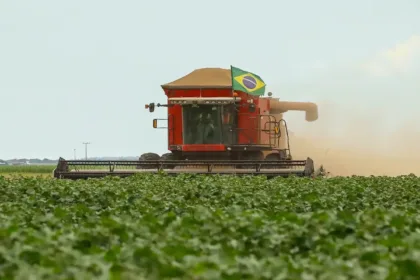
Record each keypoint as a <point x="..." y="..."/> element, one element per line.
<point x="75" y="71"/>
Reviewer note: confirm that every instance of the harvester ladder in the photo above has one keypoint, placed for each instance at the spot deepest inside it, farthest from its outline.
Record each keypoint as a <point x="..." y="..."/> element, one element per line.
<point x="274" y="136"/>
<point x="288" y="154"/>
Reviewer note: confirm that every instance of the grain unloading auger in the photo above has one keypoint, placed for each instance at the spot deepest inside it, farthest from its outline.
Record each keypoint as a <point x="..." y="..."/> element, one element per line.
<point x="213" y="129"/>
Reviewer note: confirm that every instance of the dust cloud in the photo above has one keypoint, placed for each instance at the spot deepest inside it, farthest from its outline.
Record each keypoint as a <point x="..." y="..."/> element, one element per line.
<point x="351" y="142"/>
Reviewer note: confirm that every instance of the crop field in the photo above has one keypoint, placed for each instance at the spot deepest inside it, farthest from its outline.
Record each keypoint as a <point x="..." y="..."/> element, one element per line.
<point x="27" y="170"/>
<point x="160" y="227"/>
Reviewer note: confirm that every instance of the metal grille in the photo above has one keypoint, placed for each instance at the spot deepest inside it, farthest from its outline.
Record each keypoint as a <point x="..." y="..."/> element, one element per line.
<point x="93" y="168"/>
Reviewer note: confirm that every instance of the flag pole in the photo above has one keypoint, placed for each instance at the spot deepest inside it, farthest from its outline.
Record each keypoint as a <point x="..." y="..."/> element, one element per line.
<point x="231" y="79"/>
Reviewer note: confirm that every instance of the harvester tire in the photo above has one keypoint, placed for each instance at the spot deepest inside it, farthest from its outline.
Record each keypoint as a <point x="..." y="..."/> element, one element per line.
<point x="251" y="156"/>
<point x="148" y="156"/>
<point x="271" y="157"/>
<point x="168" y="156"/>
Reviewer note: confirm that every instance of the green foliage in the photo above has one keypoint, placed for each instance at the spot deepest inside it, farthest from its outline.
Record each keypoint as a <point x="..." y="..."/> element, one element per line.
<point x="26" y="169"/>
<point x="192" y="227"/>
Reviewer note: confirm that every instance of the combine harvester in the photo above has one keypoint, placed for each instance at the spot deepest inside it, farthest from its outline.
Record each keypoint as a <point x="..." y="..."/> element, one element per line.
<point x="218" y="123"/>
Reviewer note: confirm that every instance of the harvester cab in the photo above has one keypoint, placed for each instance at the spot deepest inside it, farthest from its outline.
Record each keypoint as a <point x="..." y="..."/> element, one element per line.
<point x="213" y="129"/>
<point x="204" y="122"/>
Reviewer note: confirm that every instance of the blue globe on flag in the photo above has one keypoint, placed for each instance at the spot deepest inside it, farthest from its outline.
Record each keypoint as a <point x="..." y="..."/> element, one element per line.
<point x="249" y="82"/>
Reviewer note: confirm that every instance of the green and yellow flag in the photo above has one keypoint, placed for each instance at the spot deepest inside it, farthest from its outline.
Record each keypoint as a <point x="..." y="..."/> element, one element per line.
<point x="247" y="82"/>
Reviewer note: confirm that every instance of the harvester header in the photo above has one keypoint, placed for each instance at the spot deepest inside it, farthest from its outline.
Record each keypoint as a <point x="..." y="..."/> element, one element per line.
<point x="218" y="122"/>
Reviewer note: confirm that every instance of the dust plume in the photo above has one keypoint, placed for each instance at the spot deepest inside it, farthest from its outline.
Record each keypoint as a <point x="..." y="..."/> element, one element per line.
<point x="351" y="142"/>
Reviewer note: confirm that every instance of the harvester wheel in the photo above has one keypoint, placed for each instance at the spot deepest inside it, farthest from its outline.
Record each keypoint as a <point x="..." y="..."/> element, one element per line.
<point x="168" y="156"/>
<point x="148" y="156"/>
<point x="251" y="156"/>
<point x="271" y="157"/>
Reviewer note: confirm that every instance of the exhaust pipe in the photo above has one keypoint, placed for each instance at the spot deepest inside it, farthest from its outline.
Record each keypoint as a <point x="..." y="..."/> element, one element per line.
<point x="279" y="107"/>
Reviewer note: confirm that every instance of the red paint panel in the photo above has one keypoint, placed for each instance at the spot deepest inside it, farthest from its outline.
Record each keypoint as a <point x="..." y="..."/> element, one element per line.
<point x="203" y="148"/>
<point x="216" y="93"/>
<point x="182" y="93"/>
<point x="174" y="125"/>
<point x="247" y="121"/>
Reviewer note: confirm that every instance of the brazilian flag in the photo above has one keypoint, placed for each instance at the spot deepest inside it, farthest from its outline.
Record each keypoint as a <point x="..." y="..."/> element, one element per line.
<point x="247" y="82"/>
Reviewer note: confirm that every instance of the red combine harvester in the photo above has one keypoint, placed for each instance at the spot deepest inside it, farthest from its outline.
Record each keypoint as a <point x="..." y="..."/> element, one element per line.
<point x="217" y="124"/>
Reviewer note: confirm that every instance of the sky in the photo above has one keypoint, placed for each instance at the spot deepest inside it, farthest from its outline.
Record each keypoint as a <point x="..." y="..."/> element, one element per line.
<point x="76" y="71"/>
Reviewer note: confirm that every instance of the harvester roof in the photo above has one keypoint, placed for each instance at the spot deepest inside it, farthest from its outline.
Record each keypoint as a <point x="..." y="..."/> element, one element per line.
<point x="203" y="78"/>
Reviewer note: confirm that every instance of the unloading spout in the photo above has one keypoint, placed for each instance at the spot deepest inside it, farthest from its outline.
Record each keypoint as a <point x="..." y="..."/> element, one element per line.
<point x="279" y="107"/>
